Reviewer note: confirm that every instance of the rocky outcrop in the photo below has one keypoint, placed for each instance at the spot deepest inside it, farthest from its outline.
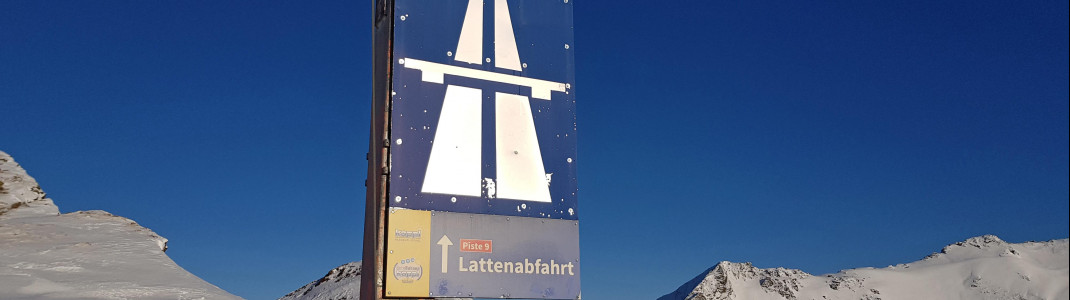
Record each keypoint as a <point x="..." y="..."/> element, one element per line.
<point x="20" y="195"/>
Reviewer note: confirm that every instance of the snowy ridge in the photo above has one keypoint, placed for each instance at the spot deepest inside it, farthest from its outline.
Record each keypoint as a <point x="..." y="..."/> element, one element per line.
<point x="341" y="283"/>
<point x="983" y="267"/>
<point x="82" y="255"/>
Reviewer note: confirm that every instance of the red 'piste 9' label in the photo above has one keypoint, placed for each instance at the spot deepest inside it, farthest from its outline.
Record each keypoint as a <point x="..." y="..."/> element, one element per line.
<point x="485" y="246"/>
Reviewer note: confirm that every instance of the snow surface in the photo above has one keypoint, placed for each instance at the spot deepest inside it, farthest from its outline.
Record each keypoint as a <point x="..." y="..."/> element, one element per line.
<point x="983" y="267"/>
<point x="81" y="255"/>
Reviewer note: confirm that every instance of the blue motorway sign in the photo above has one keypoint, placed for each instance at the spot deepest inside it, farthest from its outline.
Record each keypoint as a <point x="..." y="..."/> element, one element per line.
<point x="483" y="108"/>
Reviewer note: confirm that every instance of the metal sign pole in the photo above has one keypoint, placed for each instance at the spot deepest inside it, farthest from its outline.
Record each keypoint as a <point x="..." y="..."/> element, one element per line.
<point x="371" y="280"/>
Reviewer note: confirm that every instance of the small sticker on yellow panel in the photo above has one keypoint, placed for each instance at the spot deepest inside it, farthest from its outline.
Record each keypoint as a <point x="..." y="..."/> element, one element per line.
<point x="408" y="253"/>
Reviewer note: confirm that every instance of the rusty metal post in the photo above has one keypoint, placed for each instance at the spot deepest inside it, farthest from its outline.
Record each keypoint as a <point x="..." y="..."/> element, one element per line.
<point x="371" y="282"/>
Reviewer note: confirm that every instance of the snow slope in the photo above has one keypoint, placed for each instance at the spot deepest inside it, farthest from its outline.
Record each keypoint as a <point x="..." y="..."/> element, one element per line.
<point x="983" y="267"/>
<point x="81" y="255"/>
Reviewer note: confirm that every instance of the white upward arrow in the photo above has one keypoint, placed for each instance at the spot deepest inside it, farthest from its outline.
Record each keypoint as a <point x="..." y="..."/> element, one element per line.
<point x="446" y="243"/>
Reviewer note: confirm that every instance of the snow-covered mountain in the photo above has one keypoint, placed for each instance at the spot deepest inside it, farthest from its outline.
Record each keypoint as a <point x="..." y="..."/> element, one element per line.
<point x="983" y="267"/>
<point x="81" y="255"/>
<point x="341" y="283"/>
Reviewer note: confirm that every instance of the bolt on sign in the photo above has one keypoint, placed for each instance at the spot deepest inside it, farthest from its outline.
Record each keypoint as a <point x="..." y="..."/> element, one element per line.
<point x="480" y="151"/>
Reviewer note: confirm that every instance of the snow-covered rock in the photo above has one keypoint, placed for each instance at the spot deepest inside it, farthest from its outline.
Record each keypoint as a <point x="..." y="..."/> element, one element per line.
<point x="341" y="283"/>
<point x="20" y="195"/>
<point x="983" y="267"/>
<point x="82" y="255"/>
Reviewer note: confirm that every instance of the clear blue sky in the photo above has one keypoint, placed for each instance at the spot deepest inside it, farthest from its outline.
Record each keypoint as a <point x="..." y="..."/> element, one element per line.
<point x="811" y="135"/>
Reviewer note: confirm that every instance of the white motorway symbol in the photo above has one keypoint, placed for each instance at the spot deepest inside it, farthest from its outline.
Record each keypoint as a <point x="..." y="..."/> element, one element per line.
<point x="454" y="165"/>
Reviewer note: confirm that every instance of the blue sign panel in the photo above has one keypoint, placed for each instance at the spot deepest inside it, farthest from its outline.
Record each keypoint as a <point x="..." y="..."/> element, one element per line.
<point x="483" y="108"/>
<point x="501" y="257"/>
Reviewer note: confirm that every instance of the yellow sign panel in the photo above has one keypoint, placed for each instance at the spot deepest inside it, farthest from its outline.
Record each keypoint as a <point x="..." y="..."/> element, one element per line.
<point x="408" y="253"/>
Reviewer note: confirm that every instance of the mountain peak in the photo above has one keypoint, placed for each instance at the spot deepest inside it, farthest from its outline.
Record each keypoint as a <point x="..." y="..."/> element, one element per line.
<point x="983" y="241"/>
<point x="341" y="283"/>
<point x="979" y="246"/>
<point x="730" y="280"/>
<point x="20" y="195"/>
